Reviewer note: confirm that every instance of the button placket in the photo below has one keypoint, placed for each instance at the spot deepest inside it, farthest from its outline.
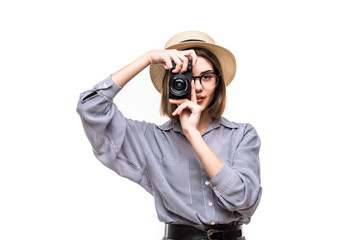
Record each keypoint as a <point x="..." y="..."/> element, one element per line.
<point x="209" y="200"/>
<point x="210" y="203"/>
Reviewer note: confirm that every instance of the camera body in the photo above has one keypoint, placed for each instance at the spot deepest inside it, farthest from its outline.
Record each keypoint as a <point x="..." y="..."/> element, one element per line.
<point x="180" y="83"/>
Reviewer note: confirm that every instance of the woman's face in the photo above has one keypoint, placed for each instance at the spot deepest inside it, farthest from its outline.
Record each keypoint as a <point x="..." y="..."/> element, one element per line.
<point x="204" y="94"/>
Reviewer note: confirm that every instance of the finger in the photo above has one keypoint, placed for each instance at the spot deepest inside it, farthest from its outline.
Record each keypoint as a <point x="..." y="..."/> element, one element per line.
<point x="178" y="63"/>
<point x="169" y="57"/>
<point x="177" y="101"/>
<point x="186" y="105"/>
<point x="176" y="111"/>
<point x="191" y="54"/>
<point x="185" y="62"/>
<point x="193" y="92"/>
<point x="180" y="109"/>
<point x="164" y="58"/>
<point x="167" y="64"/>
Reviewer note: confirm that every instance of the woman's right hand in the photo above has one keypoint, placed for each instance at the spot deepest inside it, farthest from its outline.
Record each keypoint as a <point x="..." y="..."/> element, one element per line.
<point x="165" y="57"/>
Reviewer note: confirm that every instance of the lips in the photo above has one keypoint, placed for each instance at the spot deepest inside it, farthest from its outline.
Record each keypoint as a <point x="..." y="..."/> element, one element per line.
<point x="200" y="98"/>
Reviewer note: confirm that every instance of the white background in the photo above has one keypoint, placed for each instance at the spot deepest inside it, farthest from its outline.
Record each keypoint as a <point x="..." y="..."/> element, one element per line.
<point x="298" y="68"/>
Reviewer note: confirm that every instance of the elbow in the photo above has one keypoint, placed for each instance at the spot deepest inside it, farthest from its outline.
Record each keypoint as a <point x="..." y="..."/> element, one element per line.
<point x="250" y="195"/>
<point x="249" y="207"/>
<point x="245" y="199"/>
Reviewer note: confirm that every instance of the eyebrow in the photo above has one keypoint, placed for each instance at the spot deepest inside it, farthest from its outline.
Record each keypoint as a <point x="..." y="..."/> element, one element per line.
<point x="207" y="71"/>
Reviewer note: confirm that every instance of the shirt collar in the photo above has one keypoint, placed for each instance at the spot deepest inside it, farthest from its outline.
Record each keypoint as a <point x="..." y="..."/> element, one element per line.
<point x="175" y="125"/>
<point x="171" y="124"/>
<point x="220" y="121"/>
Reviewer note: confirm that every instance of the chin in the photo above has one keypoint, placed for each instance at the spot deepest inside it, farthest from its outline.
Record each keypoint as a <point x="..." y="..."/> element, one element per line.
<point x="204" y="105"/>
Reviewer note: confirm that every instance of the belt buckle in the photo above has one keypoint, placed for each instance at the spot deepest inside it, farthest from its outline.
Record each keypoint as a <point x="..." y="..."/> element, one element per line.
<point x="210" y="232"/>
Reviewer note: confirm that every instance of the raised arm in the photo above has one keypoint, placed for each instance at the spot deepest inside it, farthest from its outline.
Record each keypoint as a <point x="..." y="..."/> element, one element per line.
<point x="124" y="75"/>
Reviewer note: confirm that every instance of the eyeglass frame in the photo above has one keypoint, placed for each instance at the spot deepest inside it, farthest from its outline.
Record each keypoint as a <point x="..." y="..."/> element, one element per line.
<point x="201" y="76"/>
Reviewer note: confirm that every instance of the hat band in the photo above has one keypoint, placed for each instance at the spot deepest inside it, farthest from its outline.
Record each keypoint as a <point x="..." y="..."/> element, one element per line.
<point x="192" y="40"/>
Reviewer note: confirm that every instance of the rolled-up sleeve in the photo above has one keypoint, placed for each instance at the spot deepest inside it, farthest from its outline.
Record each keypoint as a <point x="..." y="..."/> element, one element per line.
<point x="238" y="187"/>
<point x="119" y="143"/>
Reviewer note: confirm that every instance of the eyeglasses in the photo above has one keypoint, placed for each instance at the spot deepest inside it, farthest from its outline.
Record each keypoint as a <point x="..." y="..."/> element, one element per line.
<point x="207" y="80"/>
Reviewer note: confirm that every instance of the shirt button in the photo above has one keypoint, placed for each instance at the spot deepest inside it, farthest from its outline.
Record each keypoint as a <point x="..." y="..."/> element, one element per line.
<point x="207" y="183"/>
<point x="105" y="85"/>
<point x="212" y="223"/>
<point x="214" y="187"/>
<point x="210" y="204"/>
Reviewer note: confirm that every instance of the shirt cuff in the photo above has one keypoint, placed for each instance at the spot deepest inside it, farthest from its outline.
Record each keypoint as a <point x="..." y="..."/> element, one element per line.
<point x="223" y="180"/>
<point x="108" y="88"/>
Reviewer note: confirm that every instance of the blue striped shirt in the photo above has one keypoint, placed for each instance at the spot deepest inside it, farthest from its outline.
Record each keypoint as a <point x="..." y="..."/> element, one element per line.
<point x="162" y="161"/>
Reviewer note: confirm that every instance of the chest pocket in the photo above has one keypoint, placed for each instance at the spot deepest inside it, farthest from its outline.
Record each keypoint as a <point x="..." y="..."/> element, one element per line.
<point x="176" y="182"/>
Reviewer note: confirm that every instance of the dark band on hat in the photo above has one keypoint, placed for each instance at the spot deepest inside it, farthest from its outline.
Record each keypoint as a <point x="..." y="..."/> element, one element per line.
<point x="192" y="40"/>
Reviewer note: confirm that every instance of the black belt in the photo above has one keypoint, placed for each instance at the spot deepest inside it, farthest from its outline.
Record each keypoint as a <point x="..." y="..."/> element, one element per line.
<point x="232" y="231"/>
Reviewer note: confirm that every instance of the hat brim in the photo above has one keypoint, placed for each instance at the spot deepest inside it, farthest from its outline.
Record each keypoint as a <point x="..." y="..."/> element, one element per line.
<point x="225" y="57"/>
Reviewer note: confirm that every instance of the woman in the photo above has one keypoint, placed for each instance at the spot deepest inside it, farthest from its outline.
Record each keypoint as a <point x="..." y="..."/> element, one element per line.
<point x="202" y="170"/>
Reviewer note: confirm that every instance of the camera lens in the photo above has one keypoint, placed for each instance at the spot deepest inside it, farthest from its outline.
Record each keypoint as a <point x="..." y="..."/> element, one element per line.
<point x="179" y="85"/>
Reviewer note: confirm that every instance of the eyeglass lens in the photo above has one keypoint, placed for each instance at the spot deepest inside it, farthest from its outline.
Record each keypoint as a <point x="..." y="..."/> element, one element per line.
<point x="208" y="80"/>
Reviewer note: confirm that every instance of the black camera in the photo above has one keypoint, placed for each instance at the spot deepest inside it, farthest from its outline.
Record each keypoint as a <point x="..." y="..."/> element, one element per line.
<point x="180" y="83"/>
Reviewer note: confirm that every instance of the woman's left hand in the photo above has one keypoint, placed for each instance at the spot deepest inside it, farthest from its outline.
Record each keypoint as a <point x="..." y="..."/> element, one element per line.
<point x="189" y="111"/>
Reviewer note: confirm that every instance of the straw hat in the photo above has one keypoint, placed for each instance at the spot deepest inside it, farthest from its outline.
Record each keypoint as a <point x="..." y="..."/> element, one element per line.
<point x="195" y="39"/>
